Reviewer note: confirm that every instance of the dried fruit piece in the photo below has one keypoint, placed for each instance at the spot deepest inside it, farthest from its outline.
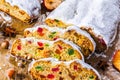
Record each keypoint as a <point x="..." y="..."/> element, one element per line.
<point x="55" y="38"/>
<point x="52" y="4"/>
<point x="55" y="69"/>
<point x="60" y="47"/>
<point x="40" y="44"/>
<point x="91" y="77"/>
<point x="57" y="51"/>
<point x="116" y="59"/>
<point x="50" y="76"/>
<point x="39" y="68"/>
<point x="75" y="67"/>
<point x="52" y="35"/>
<point x="40" y="31"/>
<point x="56" y="56"/>
<point x="19" y="47"/>
<point x="42" y="76"/>
<point x="70" y="51"/>
<point x="47" y="45"/>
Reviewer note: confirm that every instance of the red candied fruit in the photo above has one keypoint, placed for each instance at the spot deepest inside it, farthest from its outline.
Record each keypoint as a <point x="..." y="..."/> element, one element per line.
<point x="19" y="47"/>
<point x="57" y="51"/>
<point x="75" y="67"/>
<point x="40" y="44"/>
<point x="55" y="69"/>
<point x="51" y="21"/>
<point x="50" y="76"/>
<point x="55" y="39"/>
<point x="60" y="47"/>
<point x="40" y="31"/>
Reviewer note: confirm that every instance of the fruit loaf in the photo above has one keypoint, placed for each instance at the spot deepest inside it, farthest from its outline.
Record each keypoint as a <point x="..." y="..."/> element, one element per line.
<point x="31" y="48"/>
<point x="24" y="10"/>
<point x="52" y="69"/>
<point x="72" y="33"/>
<point x="98" y="18"/>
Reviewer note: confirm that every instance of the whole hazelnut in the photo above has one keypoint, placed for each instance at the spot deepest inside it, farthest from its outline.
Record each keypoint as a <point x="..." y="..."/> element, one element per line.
<point x="5" y="44"/>
<point x="10" y="72"/>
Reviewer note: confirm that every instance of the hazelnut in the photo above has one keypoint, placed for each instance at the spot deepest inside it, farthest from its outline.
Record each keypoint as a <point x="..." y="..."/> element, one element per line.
<point x="10" y="72"/>
<point x="5" y="44"/>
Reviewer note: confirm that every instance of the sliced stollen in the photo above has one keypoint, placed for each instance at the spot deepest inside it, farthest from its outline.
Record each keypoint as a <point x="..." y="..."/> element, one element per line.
<point x="101" y="20"/>
<point x="52" y="69"/>
<point x="31" y="48"/>
<point x="71" y="33"/>
<point x="64" y="14"/>
<point x="98" y="18"/>
<point x="24" y="10"/>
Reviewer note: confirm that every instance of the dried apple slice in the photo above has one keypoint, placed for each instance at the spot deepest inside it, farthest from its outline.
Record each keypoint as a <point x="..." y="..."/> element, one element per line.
<point x="116" y="60"/>
<point x="52" y="4"/>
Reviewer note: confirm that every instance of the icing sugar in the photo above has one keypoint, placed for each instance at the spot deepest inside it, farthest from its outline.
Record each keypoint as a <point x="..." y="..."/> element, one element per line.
<point x="102" y="16"/>
<point x="65" y="10"/>
<point x="32" y="7"/>
<point x="5" y="17"/>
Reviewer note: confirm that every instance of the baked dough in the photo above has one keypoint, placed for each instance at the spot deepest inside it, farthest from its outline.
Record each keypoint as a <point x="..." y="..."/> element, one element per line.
<point x="24" y="10"/>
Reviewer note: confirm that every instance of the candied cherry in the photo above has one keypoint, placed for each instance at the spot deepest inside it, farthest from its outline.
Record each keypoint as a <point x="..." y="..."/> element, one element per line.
<point x="57" y="51"/>
<point x="55" y="38"/>
<point x="40" y="44"/>
<point x="75" y="67"/>
<point x="50" y="76"/>
<point x="19" y="47"/>
<point x="55" y="69"/>
<point x="40" y="31"/>
<point x="60" y="47"/>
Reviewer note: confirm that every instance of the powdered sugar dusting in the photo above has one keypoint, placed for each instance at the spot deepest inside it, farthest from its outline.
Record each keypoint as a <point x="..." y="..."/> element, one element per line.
<point x="32" y="7"/>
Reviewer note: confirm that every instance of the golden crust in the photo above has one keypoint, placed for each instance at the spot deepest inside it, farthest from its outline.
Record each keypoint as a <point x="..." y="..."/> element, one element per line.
<point x="14" y="11"/>
<point x="55" y="22"/>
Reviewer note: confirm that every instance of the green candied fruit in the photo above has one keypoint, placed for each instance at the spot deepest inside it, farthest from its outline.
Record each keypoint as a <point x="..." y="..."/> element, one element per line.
<point x="18" y="54"/>
<point x="56" y="20"/>
<point x="39" y="68"/>
<point x="56" y="56"/>
<point x="50" y="36"/>
<point x="47" y="45"/>
<point x="91" y="77"/>
<point x="70" y="51"/>
<point x="53" y="33"/>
